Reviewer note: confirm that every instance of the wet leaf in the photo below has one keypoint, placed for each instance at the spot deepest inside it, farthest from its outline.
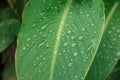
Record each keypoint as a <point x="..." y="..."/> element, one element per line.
<point x="58" y="39"/>
<point x="108" y="53"/>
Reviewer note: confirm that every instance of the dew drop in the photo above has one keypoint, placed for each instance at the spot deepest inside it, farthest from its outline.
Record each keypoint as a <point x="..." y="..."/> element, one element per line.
<point x="80" y="37"/>
<point x="24" y="48"/>
<point x="109" y="32"/>
<point x="73" y="44"/>
<point x="83" y="29"/>
<point x="28" y="39"/>
<point x="69" y="31"/>
<point x="44" y="58"/>
<point x="76" y="76"/>
<point x="43" y="27"/>
<point x="65" y="44"/>
<point x="82" y="52"/>
<point x="92" y="24"/>
<point x="118" y="54"/>
<point x="34" y="35"/>
<point x="87" y="15"/>
<point x="63" y="66"/>
<point x="34" y="25"/>
<point x="70" y="64"/>
<point x="37" y="58"/>
<point x="73" y="37"/>
<point x="3" y="41"/>
<point x="75" y="54"/>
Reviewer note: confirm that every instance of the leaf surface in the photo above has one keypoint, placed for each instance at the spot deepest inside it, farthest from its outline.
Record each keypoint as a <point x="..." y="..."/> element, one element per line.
<point x="58" y="39"/>
<point x="108" y="53"/>
<point x="115" y="74"/>
<point x="9" y="71"/>
<point x="9" y="28"/>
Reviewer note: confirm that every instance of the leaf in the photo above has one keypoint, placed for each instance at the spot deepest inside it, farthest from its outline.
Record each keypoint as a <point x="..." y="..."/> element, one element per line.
<point x="11" y="3"/>
<point x="9" y="28"/>
<point x="9" y="73"/>
<point x="108" y="53"/>
<point x="8" y="32"/>
<point x="115" y="75"/>
<point x="58" y="39"/>
<point x="6" y="14"/>
<point x="20" y="5"/>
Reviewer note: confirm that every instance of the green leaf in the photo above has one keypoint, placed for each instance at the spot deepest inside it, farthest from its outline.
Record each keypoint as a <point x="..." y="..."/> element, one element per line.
<point x="8" y="32"/>
<point x="9" y="27"/>
<point x="6" y="14"/>
<point x="108" y="53"/>
<point x="11" y="3"/>
<point x="58" y="39"/>
<point x="20" y="5"/>
<point x="115" y="75"/>
<point x="9" y="72"/>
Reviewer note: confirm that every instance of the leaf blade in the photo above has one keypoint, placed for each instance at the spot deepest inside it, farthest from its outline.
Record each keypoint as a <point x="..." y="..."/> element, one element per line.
<point x="44" y="33"/>
<point x="108" y="53"/>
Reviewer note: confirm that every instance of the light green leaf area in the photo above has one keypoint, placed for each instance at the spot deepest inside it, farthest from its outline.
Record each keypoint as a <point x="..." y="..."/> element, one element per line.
<point x="58" y="39"/>
<point x="108" y="53"/>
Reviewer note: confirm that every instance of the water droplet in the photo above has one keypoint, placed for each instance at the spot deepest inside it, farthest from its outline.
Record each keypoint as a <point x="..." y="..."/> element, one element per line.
<point x="37" y="30"/>
<point x="110" y="46"/>
<point x="34" y="25"/>
<point x="65" y="44"/>
<point x="28" y="39"/>
<point x="87" y="15"/>
<point x="43" y="27"/>
<point x="118" y="54"/>
<point x="42" y="13"/>
<point x="34" y="64"/>
<point x="118" y="30"/>
<point x="63" y="66"/>
<point x="83" y="29"/>
<point x="37" y="58"/>
<point x="80" y="37"/>
<point x="24" y="48"/>
<point x="75" y="54"/>
<point x="3" y="41"/>
<point x="59" y="54"/>
<point x="44" y="58"/>
<point x="92" y="24"/>
<point x="66" y="57"/>
<point x="109" y="32"/>
<point x="76" y="76"/>
<point x="69" y="31"/>
<point x="73" y="44"/>
<point x="70" y="64"/>
<point x="71" y="60"/>
<point x="73" y="37"/>
<point x="82" y="52"/>
<point x="104" y="45"/>
<point x="34" y="35"/>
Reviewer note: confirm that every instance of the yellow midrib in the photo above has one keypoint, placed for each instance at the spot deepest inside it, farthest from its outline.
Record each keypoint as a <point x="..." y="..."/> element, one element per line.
<point x="58" y="37"/>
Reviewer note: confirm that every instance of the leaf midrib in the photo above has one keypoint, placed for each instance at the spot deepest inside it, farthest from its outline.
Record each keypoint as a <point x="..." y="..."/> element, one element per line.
<point x="58" y="37"/>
